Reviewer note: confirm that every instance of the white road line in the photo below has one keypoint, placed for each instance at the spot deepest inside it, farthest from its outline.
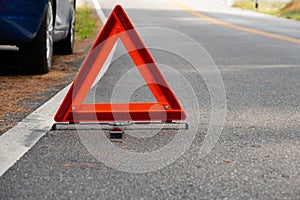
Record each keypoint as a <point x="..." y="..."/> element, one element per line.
<point x="18" y="140"/>
<point x="99" y="10"/>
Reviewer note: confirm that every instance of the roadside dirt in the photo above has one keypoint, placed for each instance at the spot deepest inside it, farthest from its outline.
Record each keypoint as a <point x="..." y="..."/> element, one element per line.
<point x="294" y="5"/>
<point x="20" y="95"/>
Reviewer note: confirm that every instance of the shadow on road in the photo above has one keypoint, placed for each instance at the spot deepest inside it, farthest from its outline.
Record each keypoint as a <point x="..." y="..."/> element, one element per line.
<point x="10" y="61"/>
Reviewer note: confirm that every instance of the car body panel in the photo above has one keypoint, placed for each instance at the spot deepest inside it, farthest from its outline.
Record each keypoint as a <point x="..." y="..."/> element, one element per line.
<point x="63" y="17"/>
<point x="20" y="20"/>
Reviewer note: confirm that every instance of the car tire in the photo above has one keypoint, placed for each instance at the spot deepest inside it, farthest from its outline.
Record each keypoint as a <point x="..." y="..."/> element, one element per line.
<point x="36" y="56"/>
<point x="66" y="46"/>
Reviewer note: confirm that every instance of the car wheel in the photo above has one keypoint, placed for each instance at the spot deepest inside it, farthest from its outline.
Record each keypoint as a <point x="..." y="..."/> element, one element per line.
<point x="66" y="46"/>
<point x="36" y="56"/>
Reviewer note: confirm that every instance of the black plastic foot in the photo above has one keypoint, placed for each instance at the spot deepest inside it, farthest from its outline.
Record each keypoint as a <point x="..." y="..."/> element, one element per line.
<point x="116" y="133"/>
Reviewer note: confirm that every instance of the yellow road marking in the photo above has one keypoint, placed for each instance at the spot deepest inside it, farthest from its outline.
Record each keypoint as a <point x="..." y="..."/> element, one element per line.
<point x="221" y="23"/>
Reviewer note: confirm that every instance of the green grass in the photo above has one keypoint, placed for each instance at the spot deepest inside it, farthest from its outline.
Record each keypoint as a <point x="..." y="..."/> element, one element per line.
<point x="272" y="8"/>
<point x="264" y="7"/>
<point x="244" y="5"/>
<point x="294" y="14"/>
<point x="85" y="23"/>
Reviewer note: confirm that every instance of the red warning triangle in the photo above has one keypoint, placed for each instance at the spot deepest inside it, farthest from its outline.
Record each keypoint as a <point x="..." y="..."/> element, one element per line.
<point x="118" y="26"/>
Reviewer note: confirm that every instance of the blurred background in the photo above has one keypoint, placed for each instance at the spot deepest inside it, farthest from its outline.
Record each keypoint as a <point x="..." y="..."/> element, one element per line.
<point x="282" y="8"/>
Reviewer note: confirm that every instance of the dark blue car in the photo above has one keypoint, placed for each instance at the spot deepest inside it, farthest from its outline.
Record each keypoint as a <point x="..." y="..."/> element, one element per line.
<point x="37" y="27"/>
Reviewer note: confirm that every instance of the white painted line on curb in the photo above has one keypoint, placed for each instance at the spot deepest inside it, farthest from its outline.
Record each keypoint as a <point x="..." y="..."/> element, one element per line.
<point x="99" y="11"/>
<point x="18" y="140"/>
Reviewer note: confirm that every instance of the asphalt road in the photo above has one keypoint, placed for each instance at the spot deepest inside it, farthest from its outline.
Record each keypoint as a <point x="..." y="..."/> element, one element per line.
<point x="236" y="74"/>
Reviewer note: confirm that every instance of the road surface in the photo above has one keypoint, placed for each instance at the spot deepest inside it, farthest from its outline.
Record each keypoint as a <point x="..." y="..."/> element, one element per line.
<point x="236" y="74"/>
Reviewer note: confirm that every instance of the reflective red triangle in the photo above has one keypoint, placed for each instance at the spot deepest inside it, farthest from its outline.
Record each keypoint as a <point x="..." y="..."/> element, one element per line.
<point x="118" y="26"/>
